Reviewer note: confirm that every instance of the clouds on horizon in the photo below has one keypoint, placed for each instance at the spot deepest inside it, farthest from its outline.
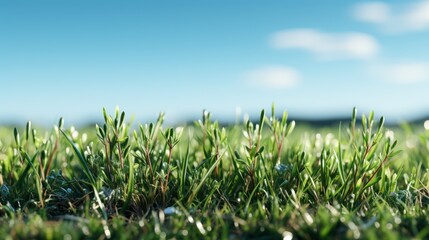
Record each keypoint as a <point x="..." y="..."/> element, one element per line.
<point x="273" y="77"/>
<point x="351" y="45"/>
<point x="327" y="46"/>
<point x="401" y="73"/>
<point x="394" y="18"/>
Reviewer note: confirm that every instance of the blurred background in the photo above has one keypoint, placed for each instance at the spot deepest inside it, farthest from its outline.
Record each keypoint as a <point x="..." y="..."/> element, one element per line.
<point x="316" y="59"/>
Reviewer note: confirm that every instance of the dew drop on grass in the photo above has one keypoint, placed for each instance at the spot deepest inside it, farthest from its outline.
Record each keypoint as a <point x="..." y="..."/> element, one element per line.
<point x="398" y="220"/>
<point x="308" y="218"/>
<point x="74" y="132"/>
<point x="85" y="230"/>
<point x="161" y="215"/>
<point x="355" y="230"/>
<point x="170" y="211"/>
<point x="201" y="228"/>
<point x="389" y="226"/>
<point x="377" y="225"/>
<point x="287" y="235"/>
<point x="426" y="124"/>
<point x="157" y="228"/>
<point x="107" y="231"/>
<point x="281" y="168"/>
<point x="390" y="135"/>
<point x="84" y="137"/>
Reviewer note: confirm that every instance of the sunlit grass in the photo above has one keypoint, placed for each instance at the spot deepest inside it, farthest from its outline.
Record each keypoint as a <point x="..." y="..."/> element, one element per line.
<point x="270" y="179"/>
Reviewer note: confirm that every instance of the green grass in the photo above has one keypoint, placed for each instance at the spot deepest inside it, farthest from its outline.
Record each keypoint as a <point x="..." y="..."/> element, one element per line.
<point x="267" y="179"/>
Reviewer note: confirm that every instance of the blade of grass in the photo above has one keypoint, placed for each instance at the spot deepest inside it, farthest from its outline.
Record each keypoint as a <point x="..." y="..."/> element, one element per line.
<point x="82" y="160"/>
<point x="130" y="185"/>
<point x="203" y="180"/>
<point x="84" y="163"/>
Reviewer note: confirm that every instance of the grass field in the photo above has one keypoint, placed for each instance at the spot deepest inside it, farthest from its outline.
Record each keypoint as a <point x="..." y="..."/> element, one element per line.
<point x="267" y="179"/>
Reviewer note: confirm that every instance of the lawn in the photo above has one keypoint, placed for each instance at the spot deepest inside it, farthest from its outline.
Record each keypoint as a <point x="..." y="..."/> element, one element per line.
<point x="270" y="178"/>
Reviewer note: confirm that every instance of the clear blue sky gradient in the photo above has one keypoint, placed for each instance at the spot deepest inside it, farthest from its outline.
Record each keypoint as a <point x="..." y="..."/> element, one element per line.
<point x="71" y="58"/>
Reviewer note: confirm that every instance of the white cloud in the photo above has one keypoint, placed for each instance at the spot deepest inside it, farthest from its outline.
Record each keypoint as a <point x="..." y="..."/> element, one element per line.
<point x="394" y="18"/>
<point x="418" y="16"/>
<point x="327" y="45"/>
<point x="402" y="73"/>
<point x="373" y="12"/>
<point x="275" y="77"/>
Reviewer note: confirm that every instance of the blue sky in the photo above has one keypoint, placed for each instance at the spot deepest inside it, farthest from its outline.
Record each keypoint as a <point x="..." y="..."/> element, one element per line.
<point x="313" y="58"/>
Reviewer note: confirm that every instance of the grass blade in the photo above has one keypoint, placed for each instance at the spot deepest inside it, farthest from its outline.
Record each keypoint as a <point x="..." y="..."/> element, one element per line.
<point x="81" y="157"/>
